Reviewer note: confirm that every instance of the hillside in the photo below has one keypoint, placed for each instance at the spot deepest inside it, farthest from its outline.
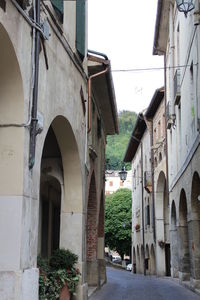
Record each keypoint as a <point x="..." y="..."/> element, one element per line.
<point x="116" y="145"/>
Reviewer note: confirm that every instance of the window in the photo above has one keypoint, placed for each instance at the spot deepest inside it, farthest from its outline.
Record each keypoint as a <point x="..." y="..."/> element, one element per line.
<point x="110" y="183"/>
<point x="80" y="28"/>
<point x="147" y="216"/>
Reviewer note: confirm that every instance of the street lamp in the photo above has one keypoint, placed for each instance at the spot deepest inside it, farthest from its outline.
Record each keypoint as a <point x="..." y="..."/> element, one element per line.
<point x="123" y="174"/>
<point x="185" y="6"/>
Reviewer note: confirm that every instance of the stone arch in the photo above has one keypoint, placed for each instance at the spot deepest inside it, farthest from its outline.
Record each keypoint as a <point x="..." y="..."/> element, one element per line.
<point x="147" y="259"/>
<point x="12" y="158"/>
<point x="174" y="241"/>
<point x="138" y="260"/>
<point x="134" y="260"/>
<point x="60" y="160"/>
<point x="152" y="261"/>
<point x="142" y="257"/>
<point x="183" y="238"/>
<point x="162" y="225"/>
<point x="194" y="228"/>
<point x="11" y="112"/>
<point x="101" y="241"/>
<point x="91" y="235"/>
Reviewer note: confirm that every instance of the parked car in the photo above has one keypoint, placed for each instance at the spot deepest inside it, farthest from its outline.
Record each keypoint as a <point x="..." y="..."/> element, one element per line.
<point x="129" y="267"/>
<point x="116" y="259"/>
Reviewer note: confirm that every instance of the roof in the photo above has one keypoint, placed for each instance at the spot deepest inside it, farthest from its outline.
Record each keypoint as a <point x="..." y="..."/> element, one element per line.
<point x="104" y="93"/>
<point x="155" y="102"/>
<point x="161" y="27"/>
<point x="136" y="136"/>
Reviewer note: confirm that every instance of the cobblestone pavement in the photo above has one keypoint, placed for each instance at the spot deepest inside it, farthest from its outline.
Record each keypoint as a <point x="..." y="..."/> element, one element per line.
<point x="123" y="285"/>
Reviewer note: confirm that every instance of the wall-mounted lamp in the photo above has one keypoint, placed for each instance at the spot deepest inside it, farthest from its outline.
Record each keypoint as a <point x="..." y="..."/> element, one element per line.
<point x="123" y="174"/>
<point x="185" y="6"/>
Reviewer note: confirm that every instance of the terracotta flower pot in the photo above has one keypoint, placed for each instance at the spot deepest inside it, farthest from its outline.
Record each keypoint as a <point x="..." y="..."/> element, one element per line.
<point x="65" y="294"/>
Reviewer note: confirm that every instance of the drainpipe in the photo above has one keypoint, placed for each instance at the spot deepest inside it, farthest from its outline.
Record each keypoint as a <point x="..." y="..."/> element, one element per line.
<point x="166" y="139"/>
<point x="33" y="127"/>
<point x="152" y="179"/>
<point x="143" y="236"/>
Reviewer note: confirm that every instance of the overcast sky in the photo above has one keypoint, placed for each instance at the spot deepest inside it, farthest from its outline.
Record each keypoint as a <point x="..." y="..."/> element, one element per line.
<point x="124" y="30"/>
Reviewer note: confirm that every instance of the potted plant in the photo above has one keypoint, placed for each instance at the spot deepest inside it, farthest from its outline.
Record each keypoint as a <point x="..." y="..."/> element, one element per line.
<point x="161" y="244"/>
<point x="58" y="276"/>
<point x="137" y="227"/>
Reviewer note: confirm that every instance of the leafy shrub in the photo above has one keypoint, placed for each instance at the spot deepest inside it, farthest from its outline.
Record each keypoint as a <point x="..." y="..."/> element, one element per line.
<point x="56" y="273"/>
<point x="62" y="259"/>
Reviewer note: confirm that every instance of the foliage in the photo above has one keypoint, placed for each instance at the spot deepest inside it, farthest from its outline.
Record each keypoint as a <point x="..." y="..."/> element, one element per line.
<point x="118" y="217"/>
<point x="62" y="259"/>
<point x="56" y="273"/>
<point x="116" y="145"/>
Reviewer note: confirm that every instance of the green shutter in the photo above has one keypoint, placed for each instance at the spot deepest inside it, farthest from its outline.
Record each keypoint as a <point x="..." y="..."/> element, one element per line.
<point x="59" y="8"/>
<point x="80" y="27"/>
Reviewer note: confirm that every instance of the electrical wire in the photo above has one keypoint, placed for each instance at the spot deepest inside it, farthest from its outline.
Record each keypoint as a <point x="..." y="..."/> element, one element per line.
<point x="151" y="69"/>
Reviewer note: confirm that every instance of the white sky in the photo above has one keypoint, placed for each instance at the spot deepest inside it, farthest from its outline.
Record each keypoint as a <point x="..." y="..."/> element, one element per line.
<point x="124" y="30"/>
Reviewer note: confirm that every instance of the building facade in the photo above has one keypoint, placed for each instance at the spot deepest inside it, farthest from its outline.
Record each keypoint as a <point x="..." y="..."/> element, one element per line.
<point x="177" y="38"/>
<point x="150" y="213"/>
<point x="53" y="127"/>
<point x="113" y="182"/>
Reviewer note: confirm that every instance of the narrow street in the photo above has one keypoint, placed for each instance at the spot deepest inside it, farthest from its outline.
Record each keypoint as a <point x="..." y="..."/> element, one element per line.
<point x="123" y="285"/>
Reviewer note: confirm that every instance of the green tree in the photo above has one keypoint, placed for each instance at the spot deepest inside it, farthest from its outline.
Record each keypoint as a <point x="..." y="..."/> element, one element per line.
<point x="116" y="145"/>
<point x="118" y="217"/>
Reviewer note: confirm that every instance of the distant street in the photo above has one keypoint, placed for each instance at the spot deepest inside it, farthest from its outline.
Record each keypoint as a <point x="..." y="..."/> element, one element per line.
<point x="123" y="285"/>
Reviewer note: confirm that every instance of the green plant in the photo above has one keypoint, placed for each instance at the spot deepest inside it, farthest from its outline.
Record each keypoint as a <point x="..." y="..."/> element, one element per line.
<point x="56" y="273"/>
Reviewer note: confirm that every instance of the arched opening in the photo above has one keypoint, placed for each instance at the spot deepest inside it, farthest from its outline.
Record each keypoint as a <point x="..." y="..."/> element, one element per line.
<point x="101" y="242"/>
<point x="61" y="179"/>
<point x="92" y="264"/>
<point x="12" y="158"/>
<point x="174" y="241"/>
<point x="147" y="259"/>
<point x="138" y="260"/>
<point x="11" y="112"/>
<point x="142" y="261"/>
<point x="194" y="227"/>
<point x="50" y="196"/>
<point x="184" y="257"/>
<point x="134" y="260"/>
<point x="162" y="227"/>
<point x="152" y="261"/>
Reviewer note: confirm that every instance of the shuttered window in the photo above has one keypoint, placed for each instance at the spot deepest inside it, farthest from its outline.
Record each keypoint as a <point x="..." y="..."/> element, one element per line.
<point x="80" y="27"/>
<point x="59" y="8"/>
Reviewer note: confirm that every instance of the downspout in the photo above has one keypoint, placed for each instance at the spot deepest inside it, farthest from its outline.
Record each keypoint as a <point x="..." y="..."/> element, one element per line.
<point x="143" y="236"/>
<point x="152" y="178"/>
<point x="166" y="139"/>
<point x="33" y="127"/>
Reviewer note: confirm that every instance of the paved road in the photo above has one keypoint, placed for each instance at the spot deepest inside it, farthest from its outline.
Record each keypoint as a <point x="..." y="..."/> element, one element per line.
<point x="123" y="285"/>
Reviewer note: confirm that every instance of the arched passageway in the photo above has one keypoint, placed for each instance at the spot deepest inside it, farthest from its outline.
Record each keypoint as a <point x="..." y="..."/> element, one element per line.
<point x="138" y="260"/>
<point x="147" y="259"/>
<point x="194" y="228"/>
<point x="61" y="179"/>
<point x="134" y="260"/>
<point x="183" y="239"/>
<point x="162" y="227"/>
<point x="13" y="199"/>
<point x="91" y="240"/>
<point x="174" y="241"/>
<point x="101" y="242"/>
<point x="152" y="261"/>
<point x="50" y="196"/>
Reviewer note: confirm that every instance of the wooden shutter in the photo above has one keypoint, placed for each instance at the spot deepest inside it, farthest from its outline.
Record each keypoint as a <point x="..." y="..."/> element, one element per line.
<point x="59" y="8"/>
<point x="80" y="27"/>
